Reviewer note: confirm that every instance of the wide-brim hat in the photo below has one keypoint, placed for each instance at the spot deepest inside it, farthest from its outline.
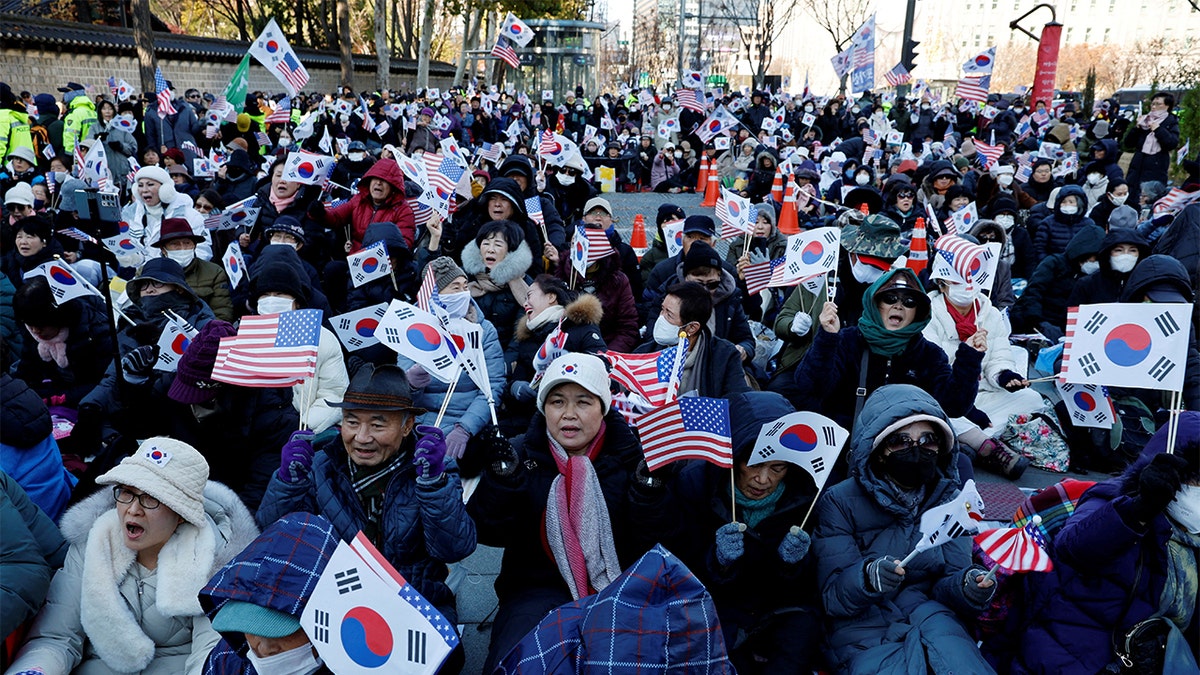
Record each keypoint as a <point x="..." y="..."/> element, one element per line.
<point x="169" y="470"/>
<point x="382" y="388"/>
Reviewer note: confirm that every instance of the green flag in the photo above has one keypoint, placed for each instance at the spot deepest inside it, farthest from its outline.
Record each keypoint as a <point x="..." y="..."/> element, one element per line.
<point x="235" y="93"/>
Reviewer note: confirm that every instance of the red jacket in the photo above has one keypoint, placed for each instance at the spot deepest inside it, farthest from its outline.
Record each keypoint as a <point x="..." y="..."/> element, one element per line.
<point x="361" y="211"/>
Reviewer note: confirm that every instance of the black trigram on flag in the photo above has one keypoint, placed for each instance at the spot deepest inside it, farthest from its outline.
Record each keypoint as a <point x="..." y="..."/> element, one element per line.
<point x="776" y="428"/>
<point x="344" y="323"/>
<point x="391" y="334"/>
<point x="818" y="465"/>
<point x="1093" y="324"/>
<point x="1100" y="416"/>
<point x="767" y="451"/>
<point x="347" y="581"/>
<point x="956" y="530"/>
<point x="166" y="358"/>
<point x="829" y="435"/>
<point x="1161" y="368"/>
<point x="321" y="626"/>
<point x="473" y="339"/>
<point x="57" y="291"/>
<point x="416" y="645"/>
<point x="442" y="362"/>
<point x="794" y="268"/>
<point x="354" y="342"/>
<point x="1079" y="417"/>
<point x="358" y="277"/>
<point x="1088" y="364"/>
<point x="1167" y="324"/>
<point x="831" y="236"/>
<point x="405" y="312"/>
<point x="981" y="277"/>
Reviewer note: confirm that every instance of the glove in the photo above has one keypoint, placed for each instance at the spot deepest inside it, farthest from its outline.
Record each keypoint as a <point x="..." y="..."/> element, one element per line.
<point x="757" y="256"/>
<point x="295" y="459"/>
<point x="975" y="595"/>
<point x="645" y="482"/>
<point x="882" y="576"/>
<point x="430" y="455"/>
<point x="504" y="460"/>
<point x="141" y="360"/>
<point x="1157" y="485"/>
<point x="418" y="377"/>
<point x="522" y="391"/>
<point x="979" y="418"/>
<point x="1007" y="376"/>
<point x="456" y="442"/>
<point x="730" y="543"/>
<point x="802" y="323"/>
<point x="794" y="546"/>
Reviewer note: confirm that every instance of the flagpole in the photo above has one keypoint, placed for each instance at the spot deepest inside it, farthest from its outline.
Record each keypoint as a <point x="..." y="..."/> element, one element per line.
<point x="733" y="494"/>
<point x="446" y="401"/>
<point x="991" y="575"/>
<point x="1173" y="420"/>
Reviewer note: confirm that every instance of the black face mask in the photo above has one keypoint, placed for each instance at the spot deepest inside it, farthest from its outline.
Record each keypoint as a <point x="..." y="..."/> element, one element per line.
<point x="911" y="468"/>
<point x="154" y="305"/>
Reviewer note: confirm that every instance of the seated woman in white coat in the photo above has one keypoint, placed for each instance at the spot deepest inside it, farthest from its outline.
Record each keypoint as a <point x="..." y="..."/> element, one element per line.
<point x="156" y="199"/>
<point x="126" y="599"/>
<point x="959" y="310"/>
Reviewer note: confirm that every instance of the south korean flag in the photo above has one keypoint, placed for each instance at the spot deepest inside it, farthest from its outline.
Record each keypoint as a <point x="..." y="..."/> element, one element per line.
<point x="1142" y="345"/>
<point x="1087" y="405"/>
<point x="356" y="329"/>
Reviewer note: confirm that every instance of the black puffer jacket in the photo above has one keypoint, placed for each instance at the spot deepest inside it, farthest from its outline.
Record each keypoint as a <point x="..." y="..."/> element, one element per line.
<point x="89" y="351"/>
<point x="1106" y="284"/>
<point x="1161" y="270"/>
<point x="1045" y="298"/>
<point x="1055" y="232"/>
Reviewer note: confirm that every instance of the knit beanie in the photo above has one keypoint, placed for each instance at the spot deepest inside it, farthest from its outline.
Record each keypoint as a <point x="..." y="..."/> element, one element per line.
<point x="586" y="370"/>
<point x="279" y="277"/>
<point x="445" y="271"/>
<point x="171" y="471"/>
<point x="668" y="212"/>
<point x="700" y="255"/>
<point x="193" y="376"/>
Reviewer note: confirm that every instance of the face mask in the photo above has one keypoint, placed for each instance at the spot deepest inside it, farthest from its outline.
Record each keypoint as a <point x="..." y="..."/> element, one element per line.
<point x="854" y="110"/>
<point x="297" y="661"/>
<point x="666" y="334"/>
<point x="924" y="107"/>
<point x="1090" y="266"/>
<point x="184" y="258"/>
<point x="1185" y="510"/>
<point x="1006" y="222"/>
<point x="666" y="107"/>
<point x="566" y="179"/>
<point x="356" y="156"/>
<point x="678" y="154"/>
<point x="1093" y="178"/>
<point x="862" y="179"/>
<point x="1069" y="209"/>
<point x="909" y="469"/>
<point x="808" y="108"/>
<point x="60" y="176"/>
<point x="271" y="304"/>
<point x="456" y="304"/>
<point x="1118" y="201"/>
<point x="154" y="305"/>
<point x="864" y="273"/>
<point x="285" y="140"/>
<point x="960" y="296"/>
<point x="1018" y="110"/>
<point x="1124" y="262"/>
<point x="1005" y="179"/>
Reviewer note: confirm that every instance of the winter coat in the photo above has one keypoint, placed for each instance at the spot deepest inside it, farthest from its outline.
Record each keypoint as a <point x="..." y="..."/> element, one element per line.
<point x="1055" y="232"/>
<point x="119" y="147"/>
<point x="1109" y="573"/>
<point x="361" y="210"/>
<point x="209" y="281"/>
<point x="763" y="176"/>
<point x="1165" y="270"/>
<point x="796" y="346"/>
<point x="712" y="369"/>
<point x="421" y="529"/>
<point x="81" y="115"/>
<point x="829" y="374"/>
<point x="329" y="384"/>
<point x="28" y="452"/>
<point x="146" y="233"/>
<point x="16" y="265"/>
<point x="1182" y="241"/>
<point x="12" y="333"/>
<point x="510" y="512"/>
<point x="1145" y="167"/>
<point x="1106" y="284"/>
<point x="172" y="131"/>
<point x="468" y="405"/>
<point x="619" y="325"/>
<point x="916" y="628"/>
<point x="1045" y="296"/>
<point x="131" y="619"/>
<point x="660" y="171"/>
<point x="32" y="548"/>
<point x="500" y="307"/>
<point x="89" y="351"/>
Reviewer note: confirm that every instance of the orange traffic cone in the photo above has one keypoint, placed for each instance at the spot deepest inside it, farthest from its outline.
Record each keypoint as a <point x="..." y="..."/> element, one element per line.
<point x="712" y="192"/>
<point x="702" y="179"/>
<point x="637" y="240"/>
<point x="777" y="187"/>
<point x="789" y="216"/>
<point x="918" y="248"/>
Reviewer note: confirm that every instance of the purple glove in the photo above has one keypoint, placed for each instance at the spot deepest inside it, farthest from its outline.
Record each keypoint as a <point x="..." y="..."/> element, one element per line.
<point x="295" y="459"/>
<point x="418" y="377"/>
<point x="456" y="442"/>
<point x="430" y="455"/>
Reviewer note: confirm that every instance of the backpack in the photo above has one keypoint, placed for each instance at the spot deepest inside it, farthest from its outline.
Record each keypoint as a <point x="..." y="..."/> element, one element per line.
<point x="41" y="140"/>
<point x="1038" y="437"/>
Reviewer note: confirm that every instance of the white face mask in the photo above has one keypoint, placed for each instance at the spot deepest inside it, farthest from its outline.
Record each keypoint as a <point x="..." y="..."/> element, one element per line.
<point x="284" y="243"/>
<point x="298" y="661"/>
<point x="566" y="179"/>
<point x="808" y="108"/>
<point x="678" y="154"/>
<point x="1185" y="510"/>
<point x="1005" y="221"/>
<point x="1069" y="209"/>
<point x="1093" y="178"/>
<point x="285" y="140"/>
<point x="862" y="179"/>
<point x="456" y="304"/>
<point x="1124" y="262"/>
<point x="961" y="296"/>
<point x="271" y="304"/>
<point x="1004" y="179"/>
<point x="1118" y="201"/>
<point x="356" y="156"/>
<point x="184" y="257"/>
<point x="864" y="273"/>
<point x="666" y="334"/>
<point x="1090" y="266"/>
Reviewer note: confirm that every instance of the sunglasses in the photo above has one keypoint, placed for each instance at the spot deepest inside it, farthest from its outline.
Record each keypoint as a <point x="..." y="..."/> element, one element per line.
<point x="894" y="298"/>
<point x="928" y="441"/>
<point x="710" y="285"/>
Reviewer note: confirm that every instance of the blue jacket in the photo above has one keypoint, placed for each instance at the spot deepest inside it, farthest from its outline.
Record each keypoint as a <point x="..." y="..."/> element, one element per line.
<point x="916" y="628"/>
<point x="422" y="527"/>
<point x="1056" y="231"/>
<point x="32" y="549"/>
<point x="1071" y="613"/>
<point x="28" y="452"/>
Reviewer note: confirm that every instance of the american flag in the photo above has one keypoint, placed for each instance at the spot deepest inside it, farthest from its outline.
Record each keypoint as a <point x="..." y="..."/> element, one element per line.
<point x="444" y="174"/>
<point x="989" y="153"/>
<point x="593" y="242"/>
<point x="77" y="234"/>
<point x="693" y="427"/>
<point x="272" y="350"/>
<point x="759" y="275"/>
<point x="973" y="88"/>
<point x="292" y="71"/>
<point x="1175" y="200"/>
<point x="960" y="253"/>
<point x="547" y="146"/>
<point x="164" y="94"/>
<point x="490" y="151"/>
<point x="533" y="207"/>
<point x="427" y="290"/>
<point x="1017" y="549"/>
<point x="282" y="112"/>
<point x="112" y="86"/>
<point x="690" y="99"/>
<point x="897" y="76"/>
<point x="365" y="111"/>
<point x="506" y="53"/>
<point x="736" y="214"/>
<point x="262" y="138"/>
<point x="648" y="374"/>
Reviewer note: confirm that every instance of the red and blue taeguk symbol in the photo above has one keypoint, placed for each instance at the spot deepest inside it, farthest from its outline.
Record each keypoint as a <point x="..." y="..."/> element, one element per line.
<point x="735" y="211"/>
<point x="812" y="252"/>
<point x="366" y="637"/>
<point x="370" y="264"/>
<point x="157" y="455"/>
<point x="1127" y="345"/>
<point x="569" y="369"/>
<point x="424" y="337"/>
<point x="306" y="170"/>
<point x="272" y="46"/>
<point x="1085" y="401"/>
<point x="679" y="237"/>
<point x="714" y="126"/>
<point x="580" y="250"/>
<point x="366" y="327"/>
<point x="62" y="276"/>
<point x="799" y="437"/>
<point x="982" y="61"/>
<point x="976" y="265"/>
<point x="127" y="244"/>
<point x="233" y="263"/>
<point x="516" y="29"/>
<point x="180" y="344"/>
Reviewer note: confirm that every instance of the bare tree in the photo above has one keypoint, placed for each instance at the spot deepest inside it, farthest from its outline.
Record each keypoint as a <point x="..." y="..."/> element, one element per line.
<point x="839" y="18"/>
<point x="344" y="44"/>
<point x="383" y="53"/>
<point x="759" y="24"/>
<point x="426" y="42"/>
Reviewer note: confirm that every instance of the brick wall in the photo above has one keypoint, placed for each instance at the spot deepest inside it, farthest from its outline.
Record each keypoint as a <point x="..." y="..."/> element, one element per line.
<point x="44" y="71"/>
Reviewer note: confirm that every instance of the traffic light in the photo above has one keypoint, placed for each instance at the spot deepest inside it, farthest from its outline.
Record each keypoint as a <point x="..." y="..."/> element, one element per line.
<point x="909" y="56"/>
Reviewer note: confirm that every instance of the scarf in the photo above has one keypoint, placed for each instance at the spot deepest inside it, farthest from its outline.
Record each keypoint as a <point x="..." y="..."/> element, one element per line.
<point x="549" y="315"/>
<point x="370" y="484"/>
<point x="880" y="340"/>
<point x="578" y="530"/>
<point x="1178" y="601"/>
<point x="281" y="203"/>
<point x="483" y="284"/>
<point x="54" y="349"/>
<point x="1151" y="146"/>
<point x="963" y="323"/>
<point x="754" y="511"/>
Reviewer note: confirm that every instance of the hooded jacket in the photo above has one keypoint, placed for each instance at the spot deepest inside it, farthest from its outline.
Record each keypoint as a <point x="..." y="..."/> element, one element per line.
<point x="32" y="548"/>
<point x="89" y="350"/>
<point x="81" y="115"/>
<point x="1181" y="241"/>
<point x="1052" y="282"/>
<point x="1162" y="270"/>
<point x="1106" y="284"/>
<point x="361" y="210"/>
<point x="1055" y="232"/>
<point x="550" y="216"/>
<point x="28" y="452"/>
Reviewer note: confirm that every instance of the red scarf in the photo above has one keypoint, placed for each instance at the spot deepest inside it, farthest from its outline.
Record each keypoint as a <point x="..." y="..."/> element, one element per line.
<point x="963" y="323"/>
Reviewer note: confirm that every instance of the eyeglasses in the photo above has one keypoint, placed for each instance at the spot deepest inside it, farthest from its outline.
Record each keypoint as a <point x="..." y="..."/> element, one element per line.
<point x="894" y="298"/>
<point x="928" y="441"/>
<point x="124" y="496"/>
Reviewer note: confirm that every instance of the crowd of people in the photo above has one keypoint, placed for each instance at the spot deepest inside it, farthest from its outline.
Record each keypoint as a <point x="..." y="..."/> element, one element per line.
<point x="147" y="506"/>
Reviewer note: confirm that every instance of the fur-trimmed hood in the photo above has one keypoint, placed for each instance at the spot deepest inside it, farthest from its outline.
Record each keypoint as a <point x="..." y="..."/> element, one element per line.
<point x="185" y="564"/>
<point x="512" y="267"/>
<point x="585" y="310"/>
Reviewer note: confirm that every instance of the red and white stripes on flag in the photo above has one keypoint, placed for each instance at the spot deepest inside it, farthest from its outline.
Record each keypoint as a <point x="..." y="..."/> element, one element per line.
<point x="961" y="254"/>
<point x="272" y="350"/>
<point x="272" y="50"/>
<point x="991" y="153"/>
<point x="427" y="290"/>
<point x="165" y="106"/>
<point x="281" y="114"/>
<point x="506" y="53"/>
<point x="897" y="76"/>
<point x="546" y="144"/>
<point x="973" y="88"/>
<point x="758" y="275"/>
<point x="690" y="99"/>
<point x="1175" y="200"/>
<point x="1017" y="549"/>
<point x="693" y="427"/>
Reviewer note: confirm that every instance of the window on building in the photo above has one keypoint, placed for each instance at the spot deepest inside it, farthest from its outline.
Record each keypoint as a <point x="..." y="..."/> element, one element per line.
<point x="1087" y="35"/>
